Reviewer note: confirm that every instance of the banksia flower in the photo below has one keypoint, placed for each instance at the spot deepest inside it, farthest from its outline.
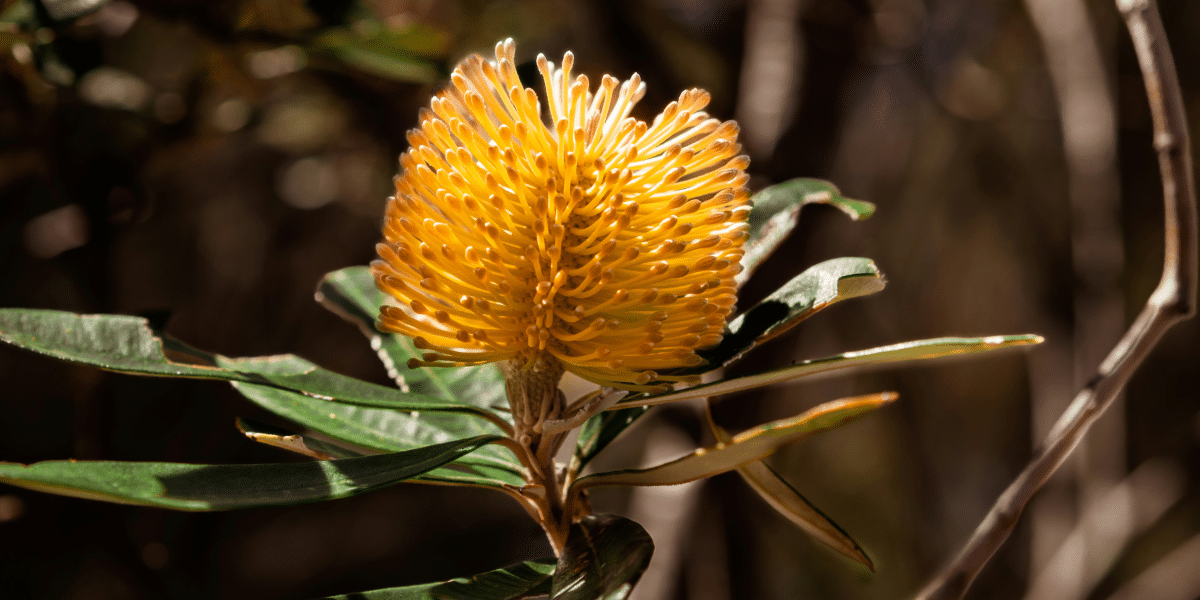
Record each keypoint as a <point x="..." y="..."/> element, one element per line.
<point x="572" y="237"/>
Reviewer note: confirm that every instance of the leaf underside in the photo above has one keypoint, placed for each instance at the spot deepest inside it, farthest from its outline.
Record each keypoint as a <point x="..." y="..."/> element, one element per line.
<point x="883" y="355"/>
<point x="751" y="445"/>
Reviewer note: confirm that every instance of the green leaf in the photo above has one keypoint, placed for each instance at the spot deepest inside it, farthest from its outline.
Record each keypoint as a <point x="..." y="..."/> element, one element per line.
<point x="604" y="558"/>
<point x="351" y="294"/>
<point x="777" y="210"/>
<point x="896" y="353"/>
<point x="224" y="487"/>
<point x="749" y="446"/>
<point x="128" y="344"/>
<point x="523" y="580"/>
<point x="790" y="503"/>
<point x="600" y="430"/>
<point x="391" y="431"/>
<point x="380" y="53"/>
<point x="816" y="288"/>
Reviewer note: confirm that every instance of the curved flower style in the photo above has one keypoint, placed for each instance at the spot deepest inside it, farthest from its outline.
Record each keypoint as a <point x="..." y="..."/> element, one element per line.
<point x="598" y="244"/>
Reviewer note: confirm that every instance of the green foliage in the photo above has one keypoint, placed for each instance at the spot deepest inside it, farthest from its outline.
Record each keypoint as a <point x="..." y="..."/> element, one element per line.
<point x="511" y="583"/>
<point x="604" y="558"/>
<point x="441" y="425"/>
<point x="225" y="487"/>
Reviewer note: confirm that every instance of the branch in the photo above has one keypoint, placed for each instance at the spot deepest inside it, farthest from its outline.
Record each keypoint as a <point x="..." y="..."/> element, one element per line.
<point x="1172" y="301"/>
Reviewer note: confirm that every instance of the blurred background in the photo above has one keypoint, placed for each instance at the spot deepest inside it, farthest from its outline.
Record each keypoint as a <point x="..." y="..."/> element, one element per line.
<point x="216" y="158"/>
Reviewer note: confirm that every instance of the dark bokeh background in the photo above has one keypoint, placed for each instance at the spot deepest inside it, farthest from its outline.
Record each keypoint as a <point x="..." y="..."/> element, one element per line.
<point x="215" y="158"/>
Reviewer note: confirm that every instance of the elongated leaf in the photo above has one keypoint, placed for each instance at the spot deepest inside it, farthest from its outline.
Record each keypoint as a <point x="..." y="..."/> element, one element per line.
<point x="467" y="471"/>
<point x="784" y="498"/>
<point x="391" y="431"/>
<point x="604" y="558"/>
<point x="790" y="503"/>
<point x="748" y="446"/>
<point x="223" y="487"/>
<point x="511" y="583"/>
<point x="128" y="345"/>
<point x="816" y="288"/>
<point x="379" y="54"/>
<point x="777" y="210"/>
<point x="351" y="294"/>
<point x="600" y="430"/>
<point x="896" y="353"/>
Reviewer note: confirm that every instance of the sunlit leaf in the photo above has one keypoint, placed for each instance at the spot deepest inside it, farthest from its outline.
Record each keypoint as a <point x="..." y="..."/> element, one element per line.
<point x="604" y="558"/>
<point x="748" y="446"/>
<point x="790" y="503"/>
<point x="777" y="210"/>
<point x="511" y="583"/>
<point x="127" y="344"/>
<point x="816" y="288"/>
<point x="391" y="431"/>
<point x="896" y="353"/>
<point x="223" y="487"/>
<point x="351" y="294"/>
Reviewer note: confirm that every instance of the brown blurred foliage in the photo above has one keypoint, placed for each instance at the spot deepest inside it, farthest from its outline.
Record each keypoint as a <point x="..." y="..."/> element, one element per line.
<point x="211" y="160"/>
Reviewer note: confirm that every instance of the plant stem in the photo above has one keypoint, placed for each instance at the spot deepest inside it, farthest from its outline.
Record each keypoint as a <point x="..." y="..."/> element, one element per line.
<point x="1174" y="300"/>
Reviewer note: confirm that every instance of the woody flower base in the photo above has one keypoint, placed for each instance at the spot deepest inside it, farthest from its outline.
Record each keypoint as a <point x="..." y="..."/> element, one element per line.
<point x="530" y="237"/>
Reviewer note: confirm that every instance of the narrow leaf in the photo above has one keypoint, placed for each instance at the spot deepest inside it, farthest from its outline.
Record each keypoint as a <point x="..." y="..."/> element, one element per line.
<point x="351" y="294"/>
<point x="604" y="558"/>
<point x="816" y="288"/>
<point x="377" y="54"/>
<point x="128" y="344"/>
<point x="777" y="210"/>
<point x="467" y="471"/>
<point x="796" y="508"/>
<point x="748" y="446"/>
<point x="391" y="431"/>
<point x="223" y="487"/>
<point x="896" y="353"/>
<point x="790" y="503"/>
<point x="523" y="580"/>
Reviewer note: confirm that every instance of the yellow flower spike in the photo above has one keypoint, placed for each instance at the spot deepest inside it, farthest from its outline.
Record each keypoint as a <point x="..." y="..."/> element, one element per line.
<point x="564" y="235"/>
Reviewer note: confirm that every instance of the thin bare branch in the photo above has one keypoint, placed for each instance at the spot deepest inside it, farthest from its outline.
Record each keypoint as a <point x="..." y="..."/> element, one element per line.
<point x="1172" y="301"/>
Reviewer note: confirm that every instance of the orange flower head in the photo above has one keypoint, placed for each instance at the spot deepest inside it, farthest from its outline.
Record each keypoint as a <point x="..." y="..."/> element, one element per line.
<point x="572" y="236"/>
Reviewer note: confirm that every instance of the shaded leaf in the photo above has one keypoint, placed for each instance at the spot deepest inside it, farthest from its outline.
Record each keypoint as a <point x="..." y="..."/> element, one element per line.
<point x="523" y="580"/>
<point x="790" y="503"/>
<point x="604" y="558"/>
<point x="384" y="53"/>
<point x="600" y="430"/>
<point x="777" y="210"/>
<point x="223" y="487"/>
<point x="748" y="446"/>
<point x="816" y="288"/>
<point x="896" y="353"/>
<point x="351" y="294"/>
<point x="391" y="431"/>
